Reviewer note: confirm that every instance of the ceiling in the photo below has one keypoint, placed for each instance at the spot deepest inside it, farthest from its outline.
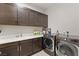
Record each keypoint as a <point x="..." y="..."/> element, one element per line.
<point x="42" y="5"/>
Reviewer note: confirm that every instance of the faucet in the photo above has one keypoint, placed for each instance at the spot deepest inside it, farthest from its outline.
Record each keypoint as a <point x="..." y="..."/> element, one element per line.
<point x="19" y="35"/>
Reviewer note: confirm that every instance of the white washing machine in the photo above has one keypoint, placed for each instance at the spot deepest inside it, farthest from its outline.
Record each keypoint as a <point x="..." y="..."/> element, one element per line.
<point x="67" y="49"/>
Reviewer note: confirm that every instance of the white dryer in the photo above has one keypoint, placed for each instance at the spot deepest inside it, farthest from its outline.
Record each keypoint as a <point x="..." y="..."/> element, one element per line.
<point x="67" y="49"/>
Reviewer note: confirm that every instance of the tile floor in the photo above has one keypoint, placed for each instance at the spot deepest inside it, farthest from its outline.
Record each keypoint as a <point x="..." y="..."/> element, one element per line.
<point x="41" y="53"/>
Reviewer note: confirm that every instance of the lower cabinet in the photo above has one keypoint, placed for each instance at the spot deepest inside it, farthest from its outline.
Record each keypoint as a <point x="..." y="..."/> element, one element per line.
<point x="21" y="48"/>
<point x="37" y="44"/>
<point x="11" y="49"/>
<point x="26" y="47"/>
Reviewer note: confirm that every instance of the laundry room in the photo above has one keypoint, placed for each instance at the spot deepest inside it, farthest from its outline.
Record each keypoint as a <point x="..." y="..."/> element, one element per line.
<point x="39" y="29"/>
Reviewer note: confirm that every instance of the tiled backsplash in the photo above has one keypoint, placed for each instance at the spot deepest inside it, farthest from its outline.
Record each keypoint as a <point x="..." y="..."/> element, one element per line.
<point x="8" y="30"/>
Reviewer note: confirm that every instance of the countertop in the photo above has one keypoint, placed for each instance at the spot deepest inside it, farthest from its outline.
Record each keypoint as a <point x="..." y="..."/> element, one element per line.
<point x="15" y="39"/>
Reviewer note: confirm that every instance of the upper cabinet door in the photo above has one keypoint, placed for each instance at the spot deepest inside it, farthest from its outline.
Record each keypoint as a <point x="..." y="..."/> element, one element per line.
<point x="8" y="14"/>
<point x="39" y="20"/>
<point x="11" y="14"/>
<point x="23" y="16"/>
<point x="44" y="20"/>
<point x="33" y="18"/>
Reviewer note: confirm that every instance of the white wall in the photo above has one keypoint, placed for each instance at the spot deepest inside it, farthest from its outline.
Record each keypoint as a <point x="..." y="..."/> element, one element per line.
<point x="64" y="17"/>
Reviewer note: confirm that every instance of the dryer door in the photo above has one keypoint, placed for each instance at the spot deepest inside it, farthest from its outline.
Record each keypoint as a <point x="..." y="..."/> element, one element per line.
<point x="48" y="43"/>
<point x="66" y="49"/>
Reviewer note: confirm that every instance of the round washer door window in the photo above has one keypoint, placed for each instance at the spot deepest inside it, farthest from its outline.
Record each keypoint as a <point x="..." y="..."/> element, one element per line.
<point x="48" y="43"/>
<point x="67" y="49"/>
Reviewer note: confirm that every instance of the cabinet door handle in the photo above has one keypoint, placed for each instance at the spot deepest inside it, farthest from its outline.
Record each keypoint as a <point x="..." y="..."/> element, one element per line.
<point x="0" y="52"/>
<point x="20" y="48"/>
<point x="17" y="48"/>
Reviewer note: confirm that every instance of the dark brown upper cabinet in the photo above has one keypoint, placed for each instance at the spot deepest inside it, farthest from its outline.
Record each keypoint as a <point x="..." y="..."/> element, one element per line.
<point x="23" y="16"/>
<point x="44" y="20"/>
<point x="8" y="14"/>
<point x="33" y="18"/>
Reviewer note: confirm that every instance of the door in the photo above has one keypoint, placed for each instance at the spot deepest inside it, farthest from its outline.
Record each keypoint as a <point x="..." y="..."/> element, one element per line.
<point x="39" y="19"/>
<point x="44" y="20"/>
<point x="8" y="14"/>
<point x="26" y="47"/>
<point x="23" y="16"/>
<point x="10" y="49"/>
<point x="37" y="44"/>
<point x="33" y="20"/>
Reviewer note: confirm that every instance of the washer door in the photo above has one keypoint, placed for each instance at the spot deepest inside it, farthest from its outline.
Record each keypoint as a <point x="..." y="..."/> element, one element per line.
<point x="66" y="49"/>
<point x="48" y="43"/>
